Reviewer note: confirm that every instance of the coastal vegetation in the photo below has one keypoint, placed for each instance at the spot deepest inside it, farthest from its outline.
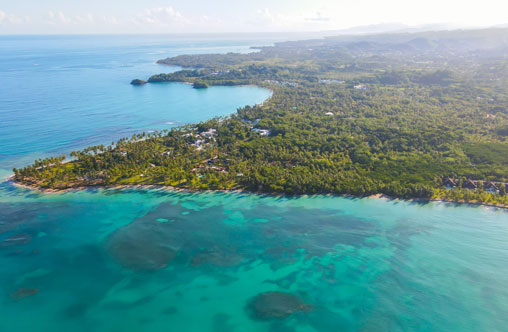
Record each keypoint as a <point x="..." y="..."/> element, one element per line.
<point x="199" y="85"/>
<point x="391" y="114"/>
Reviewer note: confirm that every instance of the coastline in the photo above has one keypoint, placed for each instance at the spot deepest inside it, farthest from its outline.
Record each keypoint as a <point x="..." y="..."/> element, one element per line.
<point x="11" y="180"/>
<point x="172" y="189"/>
<point x="429" y="200"/>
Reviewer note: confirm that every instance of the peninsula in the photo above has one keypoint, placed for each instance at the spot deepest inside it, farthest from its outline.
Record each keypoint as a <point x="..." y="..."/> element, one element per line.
<point x="407" y="115"/>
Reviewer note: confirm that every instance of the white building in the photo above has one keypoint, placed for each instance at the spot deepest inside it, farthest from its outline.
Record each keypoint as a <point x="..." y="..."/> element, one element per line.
<point x="262" y="132"/>
<point x="210" y="133"/>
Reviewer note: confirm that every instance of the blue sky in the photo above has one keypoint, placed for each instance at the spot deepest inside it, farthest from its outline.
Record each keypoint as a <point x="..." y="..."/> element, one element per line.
<point x="198" y="16"/>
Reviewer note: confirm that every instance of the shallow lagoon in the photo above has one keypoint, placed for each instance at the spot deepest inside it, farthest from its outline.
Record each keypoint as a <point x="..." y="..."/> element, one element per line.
<point x="358" y="264"/>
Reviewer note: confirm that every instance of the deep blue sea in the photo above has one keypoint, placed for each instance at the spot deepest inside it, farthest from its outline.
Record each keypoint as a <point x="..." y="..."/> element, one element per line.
<point x="157" y="260"/>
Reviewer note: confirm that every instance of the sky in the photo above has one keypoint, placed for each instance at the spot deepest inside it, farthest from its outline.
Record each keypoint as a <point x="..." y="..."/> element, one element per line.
<point x="238" y="16"/>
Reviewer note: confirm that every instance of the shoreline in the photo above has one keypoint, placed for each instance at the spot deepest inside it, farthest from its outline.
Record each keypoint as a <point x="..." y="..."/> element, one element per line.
<point x="430" y="200"/>
<point x="172" y="189"/>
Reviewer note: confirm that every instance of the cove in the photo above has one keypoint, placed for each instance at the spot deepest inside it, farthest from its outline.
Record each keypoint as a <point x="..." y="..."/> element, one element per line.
<point x="80" y="121"/>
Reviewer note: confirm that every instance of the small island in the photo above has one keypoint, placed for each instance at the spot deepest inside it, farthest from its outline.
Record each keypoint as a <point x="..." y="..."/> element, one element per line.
<point x="138" y="82"/>
<point x="365" y="115"/>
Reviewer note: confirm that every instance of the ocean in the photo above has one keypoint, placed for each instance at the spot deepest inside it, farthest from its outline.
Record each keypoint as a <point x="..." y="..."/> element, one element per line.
<point x="159" y="260"/>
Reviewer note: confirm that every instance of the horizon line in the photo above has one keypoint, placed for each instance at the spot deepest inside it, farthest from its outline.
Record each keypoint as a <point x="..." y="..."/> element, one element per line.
<point x="343" y="31"/>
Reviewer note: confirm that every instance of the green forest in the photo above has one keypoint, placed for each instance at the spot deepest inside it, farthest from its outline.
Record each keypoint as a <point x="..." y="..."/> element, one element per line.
<point x="407" y="115"/>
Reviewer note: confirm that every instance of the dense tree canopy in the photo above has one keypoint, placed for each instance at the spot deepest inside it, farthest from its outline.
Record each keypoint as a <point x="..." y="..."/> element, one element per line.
<point x="346" y="117"/>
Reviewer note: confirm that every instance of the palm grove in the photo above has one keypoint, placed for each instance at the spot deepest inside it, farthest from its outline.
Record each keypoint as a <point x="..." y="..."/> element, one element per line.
<point x="392" y="114"/>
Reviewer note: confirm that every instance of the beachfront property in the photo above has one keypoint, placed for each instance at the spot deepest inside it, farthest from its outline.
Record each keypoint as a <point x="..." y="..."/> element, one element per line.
<point x="487" y="186"/>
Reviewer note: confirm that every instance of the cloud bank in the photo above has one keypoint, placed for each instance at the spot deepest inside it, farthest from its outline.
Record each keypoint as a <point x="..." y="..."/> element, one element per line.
<point x="200" y="16"/>
<point x="13" y="19"/>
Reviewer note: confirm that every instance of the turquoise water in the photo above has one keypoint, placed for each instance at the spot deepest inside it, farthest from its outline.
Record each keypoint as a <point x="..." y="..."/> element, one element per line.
<point x="362" y="264"/>
<point x="153" y="260"/>
<point x="63" y="93"/>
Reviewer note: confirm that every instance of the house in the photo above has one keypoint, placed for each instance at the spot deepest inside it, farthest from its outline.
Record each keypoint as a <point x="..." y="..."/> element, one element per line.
<point x="210" y="133"/>
<point x="491" y="187"/>
<point x="218" y="168"/>
<point x="325" y="81"/>
<point x="360" y="87"/>
<point x="469" y="184"/>
<point x="211" y="160"/>
<point x="215" y="168"/>
<point x="329" y="113"/>
<point x="198" y="144"/>
<point x="262" y="132"/>
<point x="450" y="183"/>
<point x="290" y="84"/>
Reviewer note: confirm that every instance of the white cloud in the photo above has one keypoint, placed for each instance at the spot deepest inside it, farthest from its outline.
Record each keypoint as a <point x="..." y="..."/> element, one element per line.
<point x="167" y="16"/>
<point x="13" y="19"/>
<point x="209" y="21"/>
<point x="171" y="20"/>
<point x="318" y="17"/>
<point x="59" y="18"/>
<point x="265" y="16"/>
<point x="85" y="19"/>
<point x="268" y="20"/>
<point x="63" y="18"/>
<point x="110" y="20"/>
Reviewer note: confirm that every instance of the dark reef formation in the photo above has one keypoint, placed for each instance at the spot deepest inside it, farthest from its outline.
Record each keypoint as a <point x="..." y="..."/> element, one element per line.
<point x="16" y="240"/>
<point x="24" y="293"/>
<point x="275" y="305"/>
<point x="140" y="246"/>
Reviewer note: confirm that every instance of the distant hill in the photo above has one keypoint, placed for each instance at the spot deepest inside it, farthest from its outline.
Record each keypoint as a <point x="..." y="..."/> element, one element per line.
<point x="391" y="28"/>
<point x="492" y="42"/>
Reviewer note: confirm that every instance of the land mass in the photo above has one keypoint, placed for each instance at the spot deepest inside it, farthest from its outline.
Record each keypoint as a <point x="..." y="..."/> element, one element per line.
<point x="406" y="115"/>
